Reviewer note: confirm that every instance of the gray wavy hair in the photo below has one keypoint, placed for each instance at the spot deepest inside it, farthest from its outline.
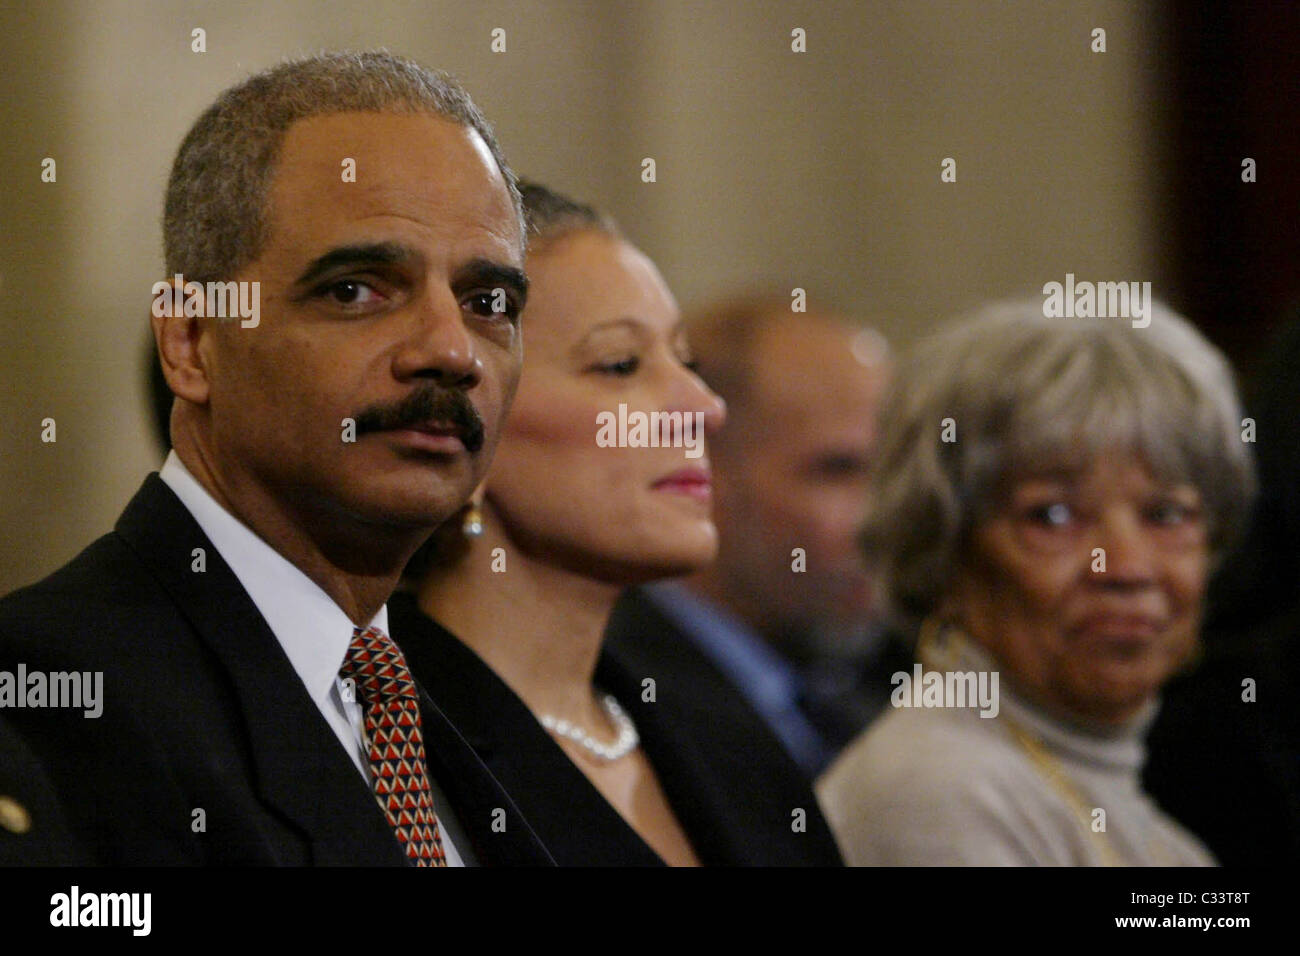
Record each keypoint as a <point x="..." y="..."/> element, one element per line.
<point x="1024" y="391"/>
<point x="214" y="219"/>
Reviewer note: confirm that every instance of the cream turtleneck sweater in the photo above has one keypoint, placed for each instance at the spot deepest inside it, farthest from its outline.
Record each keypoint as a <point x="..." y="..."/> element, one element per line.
<point x="945" y="787"/>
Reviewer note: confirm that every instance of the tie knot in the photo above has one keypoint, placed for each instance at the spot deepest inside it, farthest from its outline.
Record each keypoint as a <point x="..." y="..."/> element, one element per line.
<point x="376" y="664"/>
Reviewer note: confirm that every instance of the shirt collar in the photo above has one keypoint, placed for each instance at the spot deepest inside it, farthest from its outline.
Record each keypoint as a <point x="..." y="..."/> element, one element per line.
<point x="314" y="631"/>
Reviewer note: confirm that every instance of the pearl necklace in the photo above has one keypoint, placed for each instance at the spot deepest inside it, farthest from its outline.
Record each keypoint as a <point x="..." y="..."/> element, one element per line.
<point x="627" y="736"/>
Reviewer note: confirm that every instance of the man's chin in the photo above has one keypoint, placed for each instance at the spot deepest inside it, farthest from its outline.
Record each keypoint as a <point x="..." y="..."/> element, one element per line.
<point x="418" y="514"/>
<point x="413" y="505"/>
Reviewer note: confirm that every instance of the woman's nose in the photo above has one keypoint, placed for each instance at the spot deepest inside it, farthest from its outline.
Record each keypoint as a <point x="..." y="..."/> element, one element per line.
<point x="1130" y="550"/>
<point x="699" y="398"/>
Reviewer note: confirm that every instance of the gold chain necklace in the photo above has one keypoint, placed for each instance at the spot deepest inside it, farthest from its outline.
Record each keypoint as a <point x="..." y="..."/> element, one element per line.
<point x="1056" y="776"/>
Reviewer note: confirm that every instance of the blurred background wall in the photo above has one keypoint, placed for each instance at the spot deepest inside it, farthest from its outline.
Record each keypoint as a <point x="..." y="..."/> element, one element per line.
<point x="774" y="168"/>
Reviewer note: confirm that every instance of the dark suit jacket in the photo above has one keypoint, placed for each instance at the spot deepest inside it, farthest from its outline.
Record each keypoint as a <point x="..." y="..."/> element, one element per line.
<point x="729" y="783"/>
<point x="46" y="841"/>
<point x="202" y="711"/>
<point x="737" y="788"/>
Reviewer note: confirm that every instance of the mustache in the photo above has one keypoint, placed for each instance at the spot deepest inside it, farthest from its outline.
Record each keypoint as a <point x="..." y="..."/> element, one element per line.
<point x="432" y="403"/>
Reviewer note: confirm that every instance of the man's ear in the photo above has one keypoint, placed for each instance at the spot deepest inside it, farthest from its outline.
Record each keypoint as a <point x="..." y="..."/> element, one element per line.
<point x="178" y="337"/>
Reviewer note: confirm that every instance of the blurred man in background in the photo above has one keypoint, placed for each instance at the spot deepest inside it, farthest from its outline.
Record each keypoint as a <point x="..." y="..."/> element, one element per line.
<point x="786" y="612"/>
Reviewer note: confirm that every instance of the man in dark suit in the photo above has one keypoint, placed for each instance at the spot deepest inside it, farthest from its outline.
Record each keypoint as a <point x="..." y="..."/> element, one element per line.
<point x="353" y="214"/>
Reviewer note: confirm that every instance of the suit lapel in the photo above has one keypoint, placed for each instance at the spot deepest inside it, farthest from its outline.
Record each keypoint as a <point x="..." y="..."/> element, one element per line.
<point x="568" y="815"/>
<point x="300" y="768"/>
<point x="476" y="795"/>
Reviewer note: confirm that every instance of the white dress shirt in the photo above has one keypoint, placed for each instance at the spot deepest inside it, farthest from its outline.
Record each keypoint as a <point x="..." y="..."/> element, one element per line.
<point x="313" y="630"/>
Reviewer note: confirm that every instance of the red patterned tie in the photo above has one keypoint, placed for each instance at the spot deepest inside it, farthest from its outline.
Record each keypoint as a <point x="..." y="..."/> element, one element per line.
<point x="396" y="746"/>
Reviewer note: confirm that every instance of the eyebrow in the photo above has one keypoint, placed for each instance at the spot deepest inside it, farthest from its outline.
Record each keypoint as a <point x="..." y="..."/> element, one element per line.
<point x="636" y="325"/>
<point x="485" y="272"/>
<point x="356" y="256"/>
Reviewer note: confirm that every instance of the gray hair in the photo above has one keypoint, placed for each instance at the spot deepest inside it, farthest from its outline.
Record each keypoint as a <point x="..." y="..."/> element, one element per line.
<point x="1024" y="391"/>
<point x="215" y="217"/>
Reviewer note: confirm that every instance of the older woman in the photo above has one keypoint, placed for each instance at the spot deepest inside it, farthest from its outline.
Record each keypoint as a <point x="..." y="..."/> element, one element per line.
<point x="585" y="496"/>
<point x="1050" y="496"/>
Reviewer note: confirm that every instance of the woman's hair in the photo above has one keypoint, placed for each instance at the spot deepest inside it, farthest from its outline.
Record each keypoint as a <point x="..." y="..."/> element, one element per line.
<point x="548" y="216"/>
<point x="1007" y="392"/>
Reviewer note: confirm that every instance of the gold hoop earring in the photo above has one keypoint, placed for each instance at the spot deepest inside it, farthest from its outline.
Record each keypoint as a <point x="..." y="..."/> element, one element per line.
<point x="471" y="524"/>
